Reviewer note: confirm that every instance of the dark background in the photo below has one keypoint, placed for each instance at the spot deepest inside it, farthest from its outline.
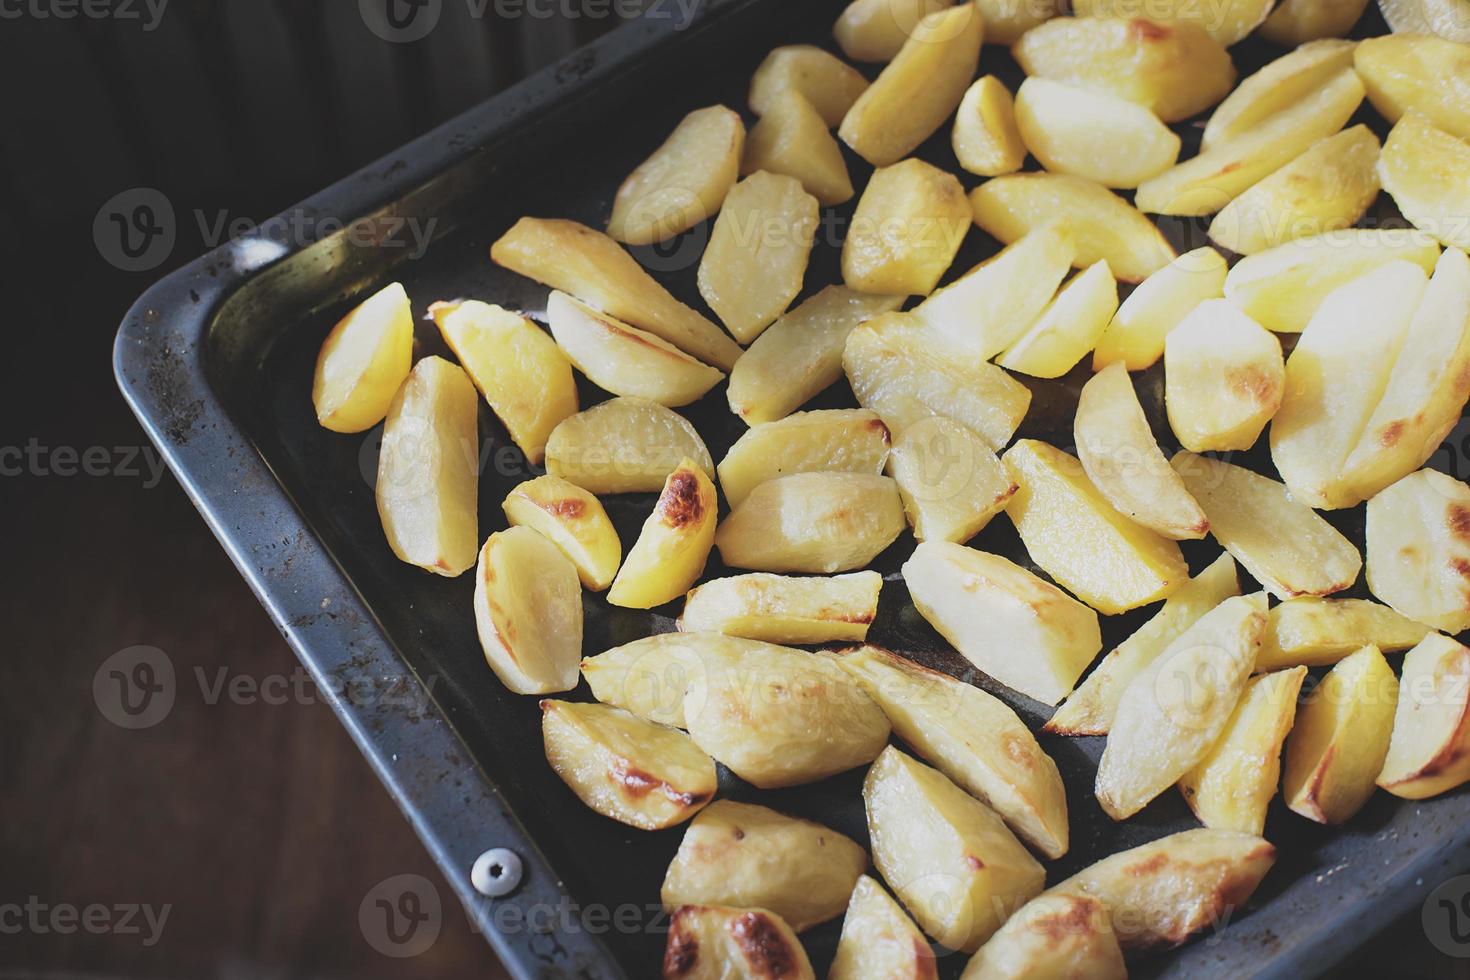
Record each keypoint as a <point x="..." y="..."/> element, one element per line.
<point x="258" y="823"/>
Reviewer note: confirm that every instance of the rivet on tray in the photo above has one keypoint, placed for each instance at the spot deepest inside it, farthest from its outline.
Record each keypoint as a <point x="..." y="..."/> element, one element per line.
<point x="496" y="873"/>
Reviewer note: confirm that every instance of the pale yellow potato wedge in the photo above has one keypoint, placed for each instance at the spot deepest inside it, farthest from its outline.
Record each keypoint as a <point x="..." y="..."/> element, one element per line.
<point x="1174" y="70"/>
<point x="783" y="609"/>
<point x="1069" y="328"/>
<point x="987" y="309"/>
<point x="1445" y="18"/>
<point x="1296" y="22"/>
<point x="1423" y="169"/>
<point x="528" y="612"/>
<point x="1226" y="22"/>
<point x="685" y="180"/>
<point x="1102" y="225"/>
<point x="989" y="609"/>
<point x="671" y="550"/>
<point x="876" y="30"/>
<point x="1232" y="786"/>
<point x="1282" y="287"/>
<point x="879" y="939"/>
<point x="749" y="856"/>
<point x="1165" y="891"/>
<point x="1052" y="937"/>
<point x="1328" y="187"/>
<point x="525" y="377"/>
<point x="817" y="523"/>
<point x="919" y="88"/>
<point x="572" y="519"/>
<point x="839" y="440"/>
<point x="624" y="360"/>
<point x="1340" y="739"/>
<point x="950" y="480"/>
<point x="1429" y="751"/>
<point x="974" y="739"/>
<point x="800" y="354"/>
<point x="1092" y="134"/>
<point x="624" y="445"/>
<point x="651" y="677"/>
<point x="1223" y="378"/>
<point x="781" y="717"/>
<point x="823" y="79"/>
<point x="949" y="857"/>
<point x="792" y="139"/>
<point x="1090" y="709"/>
<point x="1419" y="73"/>
<point x="1418" y="539"/>
<point x="1427" y="389"/>
<point x="1283" y="83"/>
<point x="1177" y="707"/>
<point x="1281" y="542"/>
<point x="1207" y="182"/>
<point x="429" y="469"/>
<point x="1336" y="376"/>
<point x="597" y="270"/>
<point x="1316" y="632"/>
<point x="985" y="138"/>
<point x="1136" y="334"/>
<point x="906" y="372"/>
<point x="630" y="770"/>
<point x="363" y="362"/>
<point x="908" y="225"/>
<point x="1082" y="541"/>
<point x="711" y="942"/>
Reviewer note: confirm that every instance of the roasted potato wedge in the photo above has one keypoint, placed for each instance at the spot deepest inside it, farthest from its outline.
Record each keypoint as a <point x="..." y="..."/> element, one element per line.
<point x="1081" y="540"/>
<point x="949" y="857"/>
<point x="906" y="372"/>
<point x="950" y="481"/>
<point x="1092" y="134"/>
<point x="1223" y="378"/>
<point x="1295" y="22"/>
<point x="597" y="270"/>
<point x="363" y="362"/>
<point x="1234" y="783"/>
<point x="1418" y="539"/>
<point x="818" y="523"/>
<point x="1316" y="632"/>
<point x="624" y="445"/>
<point x="988" y="608"/>
<point x="838" y="440"/>
<point x="879" y="939"/>
<point x="749" y="856"/>
<point x="1337" y="747"/>
<point x="780" y="717"/>
<point x="1069" y="328"/>
<point x="1090" y="709"/>
<point x="756" y="258"/>
<point x="1178" y="706"/>
<point x="1445" y="18"/>
<point x="974" y="739"/>
<point x="625" y="360"/>
<point x="1225" y="22"/>
<point x="1052" y="937"/>
<point x="429" y="469"/>
<point x="671" y="551"/>
<point x="919" y="89"/>
<point x="1136" y="334"/>
<point x="1422" y="168"/>
<point x="1283" y="83"/>
<point x="1101" y="225"/>
<point x="528" y="612"/>
<point x="792" y="139"/>
<point x="782" y="609"/>
<point x="823" y="79"/>
<point x="1409" y="72"/>
<point x="876" y="30"/>
<point x="630" y="770"/>
<point x="650" y="677"/>
<point x="708" y="942"/>
<point x="1429" y="752"/>
<point x="800" y="354"/>
<point x="907" y="227"/>
<point x="1121" y="458"/>
<point x="1283" y="543"/>
<point x="573" y="520"/>
<point x="525" y="377"/>
<point x="985" y="138"/>
<point x="685" y="180"/>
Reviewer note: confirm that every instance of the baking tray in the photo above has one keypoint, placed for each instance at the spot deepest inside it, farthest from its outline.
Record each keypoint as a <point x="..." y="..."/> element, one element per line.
<point x="216" y="360"/>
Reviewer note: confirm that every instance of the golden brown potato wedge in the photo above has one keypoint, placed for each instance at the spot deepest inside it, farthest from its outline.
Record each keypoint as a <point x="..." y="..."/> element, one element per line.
<point x="1069" y="328"/>
<point x="823" y="79"/>
<point x="1422" y="168"/>
<point x="633" y="771"/>
<point x="817" y="523"/>
<point x="1296" y="22"/>
<point x="624" y="445"/>
<point x="1160" y="303"/>
<point x="1444" y="18"/>
<point x="1052" y="936"/>
<point x="1419" y="73"/>
<point x="949" y="857"/>
<point x="879" y="939"/>
<point x="1225" y="22"/>
<point x="1223" y="378"/>
<point x="1418" y="539"/>
<point x="907" y="227"/>
<point x="573" y="520"/>
<point x="1283" y="83"/>
<point x="671" y="551"/>
<point x="363" y="362"/>
<point x="1091" y="134"/>
<point x="950" y="481"/>
<point x="1429" y="752"/>
<point x="711" y="942"/>
<point x="792" y="139"/>
<point x="750" y="856"/>
<point x="650" y="677"/>
<point x="876" y="30"/>
<point x="1316" y="632"/>
<point x="685" y="180"/>
<point x="985" y="138"/>
<point x="838" y="440"/>
<point x="528" y="612"/>
<point x="782" y="609"/>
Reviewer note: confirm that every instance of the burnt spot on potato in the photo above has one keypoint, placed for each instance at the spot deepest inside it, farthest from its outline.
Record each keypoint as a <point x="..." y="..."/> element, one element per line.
<point x="567" y="510"/>
<point x="877" y="425"/>
<point x="1391" y="434"/>
<point x="682" y="503"/>
<point x="974" y="863"/>
<point x="681" y="954"/>
<point x="1458" y="519"/>
<point x="1147" y="30"/>
<point x="1151" y="865"/>
<point x="764" y="946"/>
<point x="1079" y="919"/>
<point x="1252" y="384"/>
